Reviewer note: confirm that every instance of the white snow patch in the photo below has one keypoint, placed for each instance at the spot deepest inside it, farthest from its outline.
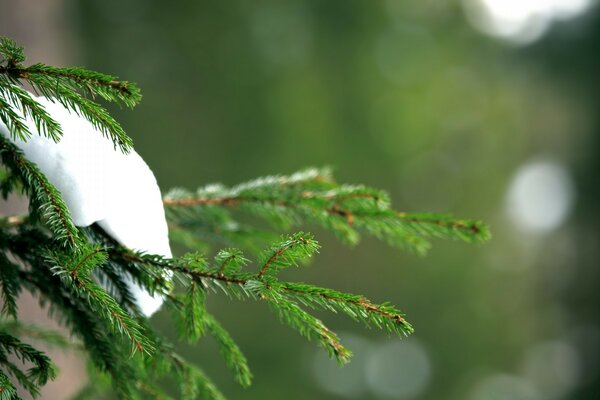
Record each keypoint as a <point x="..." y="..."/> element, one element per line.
<point x="101" y="184"/>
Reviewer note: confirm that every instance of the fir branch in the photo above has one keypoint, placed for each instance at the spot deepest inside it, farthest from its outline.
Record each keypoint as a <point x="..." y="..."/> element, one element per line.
<point x="230" y="260"/>
<point x="10" y="286"/>
<point x="112" y="277"/>
<point x="234" y="358"/>
<point x="21" y="377"/>
<point x="90" y="110"/>
<point x="287" y="253"/>
<point x="121" y="266"/>
<point x="74" y="272"/>
<point x="62" y="85"/>
<point x="7" y="390"/>
<point x="312" y="196"/>
<point x="104" y="349"/>
<point x="41" y="371"/>
<point x="359" y="308"/>
<point x="194" y="312"/>
<point x="306" y="324"/>
<point x="92" y="83"/>
<point x="45" y="199"/>
<point x="119" y="320"/>
<point x="14" y="122"/>
<point x="97" y="305"/>
<point x="445" y="226"/>
<point x="264" y="285"/>
<point x="10" y="52"/>
<point x="14" y="96"/>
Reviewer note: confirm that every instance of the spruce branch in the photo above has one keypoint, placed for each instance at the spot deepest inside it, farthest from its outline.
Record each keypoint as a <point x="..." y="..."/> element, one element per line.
<point x="103" y="347"/>
<point x="306" y="324"/>
<point x="44" y="199"/>
<point x="74" y="271"/>
<point x="287" y="253"/>
<point x="230" y="260"/>
<point x="312" y="196"/>
<point x="112" y="277"/>
<point x="7" y="390"/>
<point x="90" y="110"/>
<point x="232" y="354"/>
<point x="10" y="286"/>
<point x="91" y="83"/>
<point x="283" y="297"/>
<point x="10" y="52"/>
<point x="84" y="276"/>
<point x="71" y="87"/>
<point x="359" y="308"/>
<point x="14" y="122"/>
<point x="20" y="377"/>
<point x="194" y="312"/>
<point x="42" y="368"/>
<point x="14" y="96"/>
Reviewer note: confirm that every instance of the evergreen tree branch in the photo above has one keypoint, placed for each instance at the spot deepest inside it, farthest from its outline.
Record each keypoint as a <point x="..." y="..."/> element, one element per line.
<point x="92" y="83"/>
<point x="7" y="390"/>
<point x="10" y="52"/>
<point x="84" y="276"/>
<point x="90" y="110"/>
<point x="14" y="96"/>
<point x="285" y="254"/>
<point x="21" y="377"/>
<point x="312" y="196"/>
<point x="44" y="199"/>
<point x="383" y="316"/>
<point x="14" y="122"/>
<point x="62" y="85"/>
<point x="306" y="324"/>
<point x="104" y="349"/>
<point x="74" y="272"/>
<point x="10" y="286"/>
<point x="234" y="358"/>
<point x="193" y="312"/>
<point x="285" y="295"/>
<point x="41" y="371"/>
<point x="112" y="277"/>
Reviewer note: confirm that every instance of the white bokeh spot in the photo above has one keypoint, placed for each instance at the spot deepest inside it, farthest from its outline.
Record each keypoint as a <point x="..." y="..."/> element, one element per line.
<point x="520" y="21"/>
<point x="399" y="369"/>
<point x="540" y="197"/>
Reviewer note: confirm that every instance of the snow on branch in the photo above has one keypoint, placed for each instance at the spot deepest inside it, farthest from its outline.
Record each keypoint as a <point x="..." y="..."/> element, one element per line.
<point x="71" y="87"/>
<point x="91" y="282"/>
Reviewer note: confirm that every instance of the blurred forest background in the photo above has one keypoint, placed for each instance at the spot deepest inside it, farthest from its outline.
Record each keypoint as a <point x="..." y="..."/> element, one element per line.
<point x="485" y="109"/>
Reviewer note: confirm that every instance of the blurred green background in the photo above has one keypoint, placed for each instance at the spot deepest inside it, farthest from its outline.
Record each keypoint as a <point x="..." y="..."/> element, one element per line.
<point x="484" y="108"/>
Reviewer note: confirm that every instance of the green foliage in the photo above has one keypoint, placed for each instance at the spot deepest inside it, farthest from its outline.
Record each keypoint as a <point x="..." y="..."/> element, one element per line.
<point x="63" y="85"/>
<point x="74" y="269"/>
<point x="42" y="368"/>
<point x="45" y="201"/>
<point x="311" y="196"/>
<point x="82" y="274"/>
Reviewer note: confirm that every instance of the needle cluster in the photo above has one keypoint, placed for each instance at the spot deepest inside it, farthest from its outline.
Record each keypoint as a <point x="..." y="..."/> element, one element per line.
<point x="82" y="275"/>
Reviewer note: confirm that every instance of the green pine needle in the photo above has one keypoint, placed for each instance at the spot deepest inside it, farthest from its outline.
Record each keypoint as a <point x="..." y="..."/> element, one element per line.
<point x="83" y="276"/>
<point x="312" y="197"/>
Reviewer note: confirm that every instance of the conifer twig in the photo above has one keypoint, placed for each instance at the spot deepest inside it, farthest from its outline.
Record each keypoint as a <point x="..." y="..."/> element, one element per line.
<point x="88" y="281"/>
<point x="312" y="196"/>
